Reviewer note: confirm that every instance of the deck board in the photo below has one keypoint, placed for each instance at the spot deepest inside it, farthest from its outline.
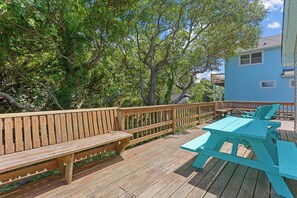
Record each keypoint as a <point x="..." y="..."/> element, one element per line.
<point x="159" y="169"/>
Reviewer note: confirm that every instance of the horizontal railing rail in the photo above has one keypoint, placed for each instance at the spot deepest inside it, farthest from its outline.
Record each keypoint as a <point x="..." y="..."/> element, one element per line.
<point x="285" y="111"/>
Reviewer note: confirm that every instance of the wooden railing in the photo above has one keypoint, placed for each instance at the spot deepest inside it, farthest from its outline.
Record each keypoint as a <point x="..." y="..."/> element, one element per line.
<point x="286" y="110"/>
<point x="153" y="121"/>
<point x="144" y="123"/>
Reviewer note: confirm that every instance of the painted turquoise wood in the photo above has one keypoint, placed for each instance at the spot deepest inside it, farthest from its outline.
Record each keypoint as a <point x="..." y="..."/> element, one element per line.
<point x="242" y="83"/>
<point x="272" y="112"/>
<point x="287" y="153"/>
<point x="255" y="133"/>
<point x="196" y="143"/>
<point x="268" y="116"/>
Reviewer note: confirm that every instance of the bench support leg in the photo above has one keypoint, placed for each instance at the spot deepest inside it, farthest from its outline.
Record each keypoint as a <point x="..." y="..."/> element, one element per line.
<point x="121" y="145"/>
<point x="68" y="170"/>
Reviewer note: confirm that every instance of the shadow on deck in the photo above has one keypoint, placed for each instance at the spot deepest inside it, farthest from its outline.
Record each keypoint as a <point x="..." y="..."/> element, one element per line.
<point x="159" y="169"/>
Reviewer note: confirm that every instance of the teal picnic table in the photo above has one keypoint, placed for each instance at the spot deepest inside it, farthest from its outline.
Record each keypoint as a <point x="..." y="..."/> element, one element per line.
<point x="272" y="156"/>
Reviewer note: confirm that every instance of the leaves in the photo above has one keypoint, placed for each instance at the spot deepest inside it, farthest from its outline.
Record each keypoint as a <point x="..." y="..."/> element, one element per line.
<point x="90" y="53"/>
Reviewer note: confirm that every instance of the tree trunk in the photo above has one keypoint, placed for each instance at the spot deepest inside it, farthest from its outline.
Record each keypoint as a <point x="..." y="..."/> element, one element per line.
<point x="153" y="79"/>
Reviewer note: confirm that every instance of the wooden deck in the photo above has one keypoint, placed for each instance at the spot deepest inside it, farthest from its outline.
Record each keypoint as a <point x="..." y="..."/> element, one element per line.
<point x="159" y="169"/>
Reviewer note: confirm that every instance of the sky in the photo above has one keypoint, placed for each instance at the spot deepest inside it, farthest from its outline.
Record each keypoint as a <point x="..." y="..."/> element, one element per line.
<point x="271" y="25"/>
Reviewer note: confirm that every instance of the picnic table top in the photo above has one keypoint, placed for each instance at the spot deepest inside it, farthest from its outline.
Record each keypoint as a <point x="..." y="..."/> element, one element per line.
<point x="242" y="127"/>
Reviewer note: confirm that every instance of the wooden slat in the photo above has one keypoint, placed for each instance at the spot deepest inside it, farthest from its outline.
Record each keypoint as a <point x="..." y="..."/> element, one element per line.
<point x="69" y="127"/>
<point x="91" y="125"/>
<point x="8" y="132"/>
<point x="103" y="117"/>
<point x="75" y="126"/>
<point x="63" y="128"/>
<point x="39" y="113"/>
<point x="141" y="139"/>
<point x="112" y="119"/>
<point x="51" y="129"/>
<point x="108" y="121"/>
<point x="152" y="126"/>
<point x="99" y="118"/>
<point x="43" y="129"/>
<point x="35" y="132"/>
<point x="86" y="124"/>
<point x="95" y="123"/>
<point x="18" y="129"/>
<point x="1" y="137"/>
<point x="80" y="125"/>
<point x="27" y="133"/>
<point x="58" y="128"/>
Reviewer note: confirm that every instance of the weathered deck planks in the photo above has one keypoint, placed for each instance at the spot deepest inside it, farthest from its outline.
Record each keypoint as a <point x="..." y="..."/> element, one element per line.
<point x="159" y="169"/>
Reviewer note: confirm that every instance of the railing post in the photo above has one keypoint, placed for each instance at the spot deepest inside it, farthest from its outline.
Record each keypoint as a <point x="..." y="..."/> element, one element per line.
<point x="198" y="112"/>
<point x="121" y="119"/>
<point x="173" y="117"/>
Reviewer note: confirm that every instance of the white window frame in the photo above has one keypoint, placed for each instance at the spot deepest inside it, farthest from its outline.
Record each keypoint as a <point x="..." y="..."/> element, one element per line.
<point x="290" y="83"/>
<point x="250" y="60"/>
<point x="274" y="81"/>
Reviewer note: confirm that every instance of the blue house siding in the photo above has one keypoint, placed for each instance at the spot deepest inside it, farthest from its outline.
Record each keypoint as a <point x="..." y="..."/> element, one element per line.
<point x="242" y="83"/>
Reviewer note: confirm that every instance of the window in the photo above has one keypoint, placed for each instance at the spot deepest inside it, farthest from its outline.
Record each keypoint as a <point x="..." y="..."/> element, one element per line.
<point x="256" y="57"/>
<point x="245" y="59"/>
<point x="291" y="83"/>
<point x="252" y="58"/>
<point x="267" y="84"/>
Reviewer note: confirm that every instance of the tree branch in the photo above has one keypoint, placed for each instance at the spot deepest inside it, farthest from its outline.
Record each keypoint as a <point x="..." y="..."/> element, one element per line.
<point x="12" y="101"/>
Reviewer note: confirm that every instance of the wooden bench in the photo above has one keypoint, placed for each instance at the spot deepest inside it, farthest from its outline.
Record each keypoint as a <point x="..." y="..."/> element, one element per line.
<point x="33" y="143"/>
<point x="287" y="157"/>
<point x="221" y="110"/>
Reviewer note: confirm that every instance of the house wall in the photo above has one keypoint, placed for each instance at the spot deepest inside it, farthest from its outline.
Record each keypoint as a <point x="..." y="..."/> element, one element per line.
<point x="242" y="83"/>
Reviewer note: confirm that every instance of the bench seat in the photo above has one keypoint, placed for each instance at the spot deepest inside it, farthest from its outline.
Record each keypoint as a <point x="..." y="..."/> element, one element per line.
<point x="196" y="143"/>
<point x="25" y="158"/>
<point x="224" y="110"/>
<point x="287" y="157"/>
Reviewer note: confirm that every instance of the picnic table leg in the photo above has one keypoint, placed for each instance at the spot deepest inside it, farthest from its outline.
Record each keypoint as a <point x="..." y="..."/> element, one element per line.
<point x="234" y="147"/>
<point x="263" y="155"/>
<point x="214" y="142"/>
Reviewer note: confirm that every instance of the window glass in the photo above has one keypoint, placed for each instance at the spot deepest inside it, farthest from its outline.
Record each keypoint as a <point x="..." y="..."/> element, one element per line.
<point x="292" y="83"/>
<point x="245" y="59"/>
<point x="267" y="84"/>
<point x="256" y="57"/>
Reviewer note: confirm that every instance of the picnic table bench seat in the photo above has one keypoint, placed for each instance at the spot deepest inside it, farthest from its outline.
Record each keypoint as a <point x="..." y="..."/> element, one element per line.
<point x="34" y="143"/>
<point x="196" y="143"/>
<point x="287" y="157"/>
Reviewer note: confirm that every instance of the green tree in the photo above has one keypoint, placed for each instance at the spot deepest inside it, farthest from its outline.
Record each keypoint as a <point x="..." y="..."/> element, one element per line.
<point x="170" y="42"/>
<point x="55" y="51"/>
<point x="203" y="91"/>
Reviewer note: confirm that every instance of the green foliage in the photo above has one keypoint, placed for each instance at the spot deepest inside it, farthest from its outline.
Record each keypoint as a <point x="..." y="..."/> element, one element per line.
<point x="88" y="53"/>
<point x="203" y="91"/>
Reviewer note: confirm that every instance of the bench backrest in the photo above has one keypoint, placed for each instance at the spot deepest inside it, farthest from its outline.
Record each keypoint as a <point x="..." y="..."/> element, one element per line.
<point x="220" y="105"/>
<point x="272" y="111"/>
<point x="262" y="112"/>
<point x="25" y="131"/>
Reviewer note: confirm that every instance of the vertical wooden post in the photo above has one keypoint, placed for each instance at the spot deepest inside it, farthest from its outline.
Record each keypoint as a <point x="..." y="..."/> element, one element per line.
<point x="173" y="117"/>
<point x="121" y="145"/>
<point x="121" y="119"/>
<point x="68" y="170"/>
<point x="198" y="113"/>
